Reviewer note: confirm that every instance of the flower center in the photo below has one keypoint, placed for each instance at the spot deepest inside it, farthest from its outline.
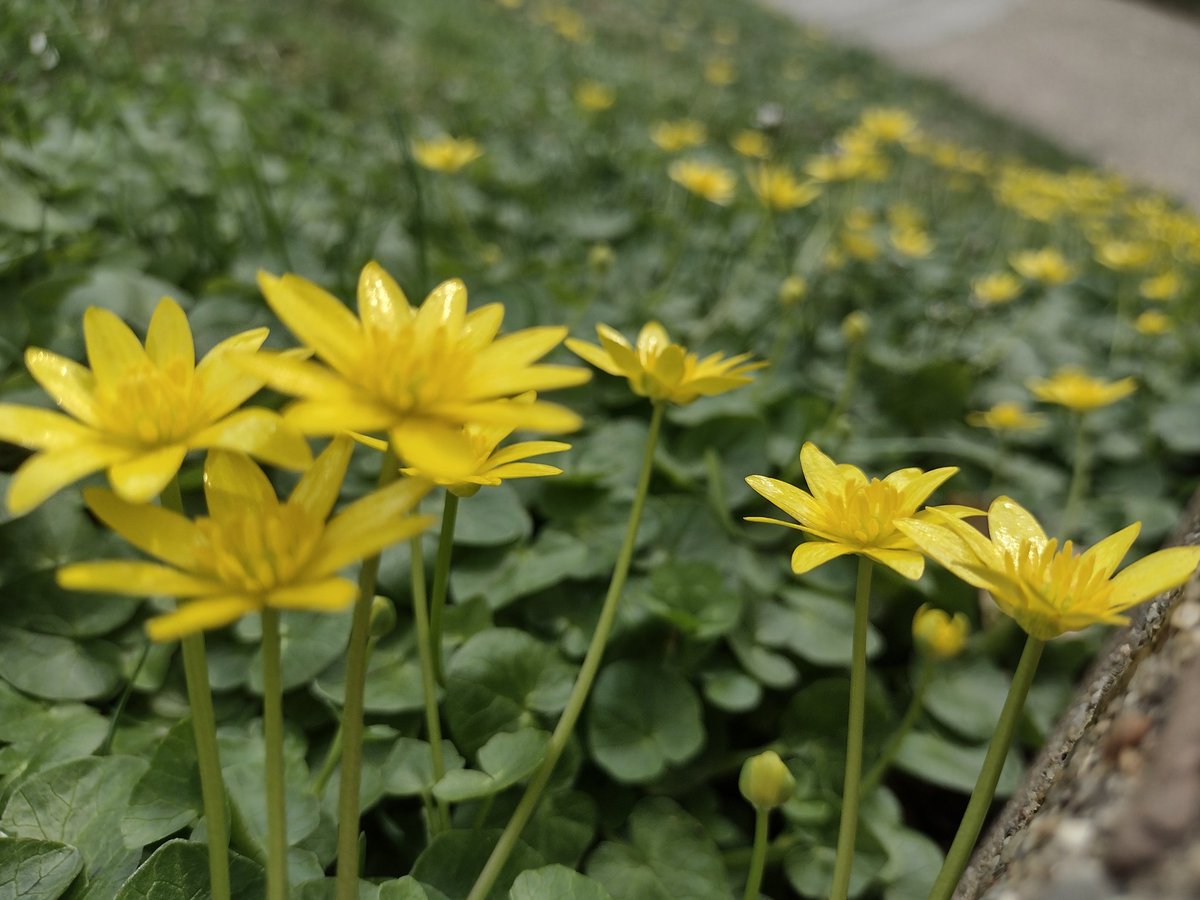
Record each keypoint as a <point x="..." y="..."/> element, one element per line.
<point x="259" y="549"/>
<point x="412" y="375"/>
<point x="1059" y="578"/>
<point x="152" y="406"/>
<point x="867" y="513"/>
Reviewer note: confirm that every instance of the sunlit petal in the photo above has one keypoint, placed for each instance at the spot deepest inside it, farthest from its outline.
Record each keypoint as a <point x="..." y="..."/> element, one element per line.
<point x="1010" y="524"/>
<point x="1108" y="553"/>
<point x="169" y="338"/>
<point x="594" y="355"/>
<point x="41" y="429"/>
<point x="481" y="326"/>
<point x="159" y="532"/>
<point x="444" y="308"/>
<point x="69" y="384"/>
<point x="235" y="487"/>
<point x="440" y="451"/>
<point x="317" y="491"/>
<point x="381" y="303"/>
<point x="336" y="416"/>
<point x="327" y="595"/>
<point x="112" y="347"/>
<point x="262" y="433"/>
<point x="798" y="504"/>
<point x="1154" y="574"/>
<point x="367" y="525"/>
<point x="317" y="318"/>
<point x="199" y="615"/>
<point x="137" y="579"/>
<point x="908" y="563"/>
<point x="811" y="554"/>
<point x="142" y="478"/>
<point x="44" y="474"/>
<point x="526" y="449"/>
<point x="822" y="473"/>
<point x="298" y="377"/>
<point x="521" y="348"/>
<point x="916" y="489"/>
<point x="531" y="378"/>
<point x="524" y="470"/>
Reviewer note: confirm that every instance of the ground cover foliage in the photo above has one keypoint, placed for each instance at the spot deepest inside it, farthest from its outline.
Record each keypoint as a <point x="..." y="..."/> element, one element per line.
<point x="162" y="149"/>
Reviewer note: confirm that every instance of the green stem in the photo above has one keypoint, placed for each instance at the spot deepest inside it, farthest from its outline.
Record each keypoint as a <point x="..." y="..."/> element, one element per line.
<point x="277" y="843"/>
<point x="433" y="724"/>
<point x="989" y="775"/>
<point x="875" y="774"/>
<point x="1079" y="478"/>
<point x="758" y="858"/>
<point x="848" y="830"/>
<point x="106" y="747"/>
<point x="352" y="713"/>
<point x="334" y="753"/>
<point x="441" y="580"/>
<point x="583" y="682"/>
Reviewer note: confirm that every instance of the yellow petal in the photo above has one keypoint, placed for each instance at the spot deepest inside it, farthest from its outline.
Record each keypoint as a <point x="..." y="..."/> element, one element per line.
<point x="235" y="487"/>
<point x="594" y="355"/>
<point x="811" y="554"/>
<point x="441" y="451"/>
<point x="798" y="504"/>
<point x="765" y="520"/>
<point x="524" y="470"/>
<point x="1108" y="553"/>
<point x="481" y="326"/>
<point x="530" y="378"/>
<point x="44" y="474"/>
<point x="142" y="478"/>
<point x="1010" y="523"/>
<point x="908" y="563"/>
<point x="317" y="491"/>
<point x="336" y="416"/>
<point x="262" y="433"/>
<point x="514" y="351"/>
<point x="199" y="615"/>
<point x="112" y="347"/>
<point x="160" y="532"/>
<point x="526" y="449"/>
<point x="947" y="545"/>
<point x="652" y="340"/>
<point x="69" y="384"/>
<point x="444" y="308"/>
<point x="618" y="349"/>
<point x="136" y="579"/>
<point x="820" y="472"/>
<point x="169" y="338"/>
<point x="382" y="305"/>
<point x="316" y="317"/>
<point x="327" y="595"/>
<point x="298" y="377"/>
<point x="367" y="441"/>
<point x="668" y="367"/>
<point x="1154" y="574"/>
<point x="225" y="384"/>
<point x="40" y="429"/>
<point x="370" y="524"/>
<point x="917" y="490"/>
<point x="540" y="416"/>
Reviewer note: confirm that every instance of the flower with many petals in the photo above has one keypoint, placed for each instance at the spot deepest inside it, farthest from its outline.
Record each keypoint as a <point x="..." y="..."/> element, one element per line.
<point x="139" y="410"/>
<point x="1164" y="286"/>
<point x="1045" y="589"/>
<point x="1152" y="322"/>
<point x="679" y="135"/>
<point x="1005" y="417"/>
<point x="445" y="153"/>
<point x="1075" y="389"/>
<point x="418" y="374"/>
<point x="250" y="552"/>
<point x="660" y="370"/>
<point x="1046" y="265"/>
<point x="592" y="96"/>
<point x="716" y="184"/>
<point x="752" y="144"/>
<point x="848" y="513"/>
<point x="996" y="288"/>
<point x="777" y="188"/>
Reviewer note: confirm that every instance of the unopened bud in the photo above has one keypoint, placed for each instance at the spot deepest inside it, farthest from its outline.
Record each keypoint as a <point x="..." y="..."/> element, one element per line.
<point x="939" y="635"/>
<point x="855" y="326"/>
<point x="765" y="781"/>
<point x="383" y="617"/>
<point x="792" y="290"/>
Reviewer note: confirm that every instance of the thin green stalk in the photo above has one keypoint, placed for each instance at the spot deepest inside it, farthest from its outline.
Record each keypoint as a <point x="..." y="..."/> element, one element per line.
<point x="989" y="775"/>
<point x="352" y="713"/>
<point x="334" y="753"/>
<point x="277" y="843"/>
<point x="204" y="730"/>
<point x="1079" y="477"/>
<point x="106" y="747"/>
<point x="583" y="682"/>
<point x="441" y="580"/>
<point x="758" y="857"/>
<point x="433" y="723"/>
<point x="875" y="774"/>
<point x="851" y="792"/>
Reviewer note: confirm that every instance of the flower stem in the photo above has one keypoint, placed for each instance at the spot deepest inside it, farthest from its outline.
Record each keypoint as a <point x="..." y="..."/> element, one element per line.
<point x="106" y="747"/>
<point x="433" y="724"/>
<point x="204" y="730"/>
<point x="1079" y="478"/>
<point x="441" y="580"/>
<point x="875" y="774"/>
<point x="989" y="775"/>
<point x="851" y="791"/>
<point x="583" y="682"/>
<point x="277" y="843"/>
<point x="758" y="858"/>
<point x="352" y="713"/>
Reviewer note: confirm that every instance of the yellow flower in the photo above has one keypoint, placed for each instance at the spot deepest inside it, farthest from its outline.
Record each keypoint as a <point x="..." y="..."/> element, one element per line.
<point x="1123" y="256"/>
<point x="855" y="326"/>
<point x="720" y="72"/>
<point x="1073" y="388"/>
<point x="1152" y="322"/>
<point x="446" y="154"/>
<point x="1049" y="591"/>
<point x="418" y="374"/>
<point x="888" y="124"/>
<point x="1162" y="287"/>
<point x="251" y="552"/>
<point x="779" y="189"/>
<point x="792" y="290"/>
<point x="753" y="144"/>
<point x="915" y="243"/>
<point x="1005" y="417"/>
<point x="594" y="96"/>
<point x="938" y="634"/>
<point x="996" y="288"/>
<point x="859" y="245"/>
<point x="847" y="513"/>
<point x="675" y="136"/>
<point x="1046" y="265"/>
<point x="715" y="184"/>
<point x="660" y="370"/>
<point x="139" y="410"/>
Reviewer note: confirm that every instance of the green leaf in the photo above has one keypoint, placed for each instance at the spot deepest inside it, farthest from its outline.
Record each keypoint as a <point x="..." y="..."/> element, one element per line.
<point x="393" y="680"/>
<point x="693" y="597"/>
<point x="503" y="576"/>
<point x="178" y="870"/>
<point x="498" y="680"/>
<point x="309" y="643"/>
<point x="556" y="883"/>
<point x="326" y="889"/>
<point x="408" y="888"/>
<point x="810" y="869"/>
<point x="773" y="670"/>
<point x="913" y="862"/>
<point x="50" y="736"/>
<point x="967" y="697"/>
<point x="492" y="517"/>
<point x="643" y="717"/>
<point x="507" y="758"/>
<point x="454" y="859"/>
<point x="32" y="869"/>
<point x="409" y="768"/>
<point x="167" y="797"/>
<point x="1176" y="422"/>
<point x="730" y="690"/>
<point x="940" y="761"/>
<point x="81" y="803"/>
<point x="815" y="627"/>
<point x="669" y="856"/>
<point x="58" y="668"/>
<point x="564" y="826"/>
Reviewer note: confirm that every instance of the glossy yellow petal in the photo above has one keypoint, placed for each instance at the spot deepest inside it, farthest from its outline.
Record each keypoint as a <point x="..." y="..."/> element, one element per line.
<point x="45" y="474"/>
<point x="526" y="449"/>
<point x="652" y="340"/>
<point x="327" y="595"/>
<point x="798" y="504"/>
<point x="532" y="378"/>
<point x="948" y="546"/>
<point x="335" y="416"/>
<point x="439" y="450"/>
<point x="143" y="477"/>
<point x="135" y="579"/>
<point x="523" y="470"/>
<point x="382" y="305"/>
<point x="916" y="490"/>
<point x="366" y="526"/>
<point x="317" y="318"/>
<point x="444" y="308"/>
<point x="159" y="532"/>
<point x="766" y="520"/>
<point x="618" y="349"/>
<point x="234" y="487"/>
<point x="1154" y="574"/>
<point x="1107" y="554"/>
<point x="199" y="615"/>
<point x="822" y="474"/>
<point x="481" y="326"/>
<point x="539" y="416"/>
<point x="367" y="441"/>
<point x="1010" y="524"/>
<point x="227" y="385"/>
<point x="811" y="554"/>
<point x="169" y="338"/>
<point x="69" y="384"/>
<point x="41" y="429"/>
<point x="520" y="348"/>
<point x="908" y="563"/>
<point x="669" y="365"/>
<point x="262" y="433"/>
<point x="318" y="489"/>
<point x="112" y="347"/>
<point x="298" y="377"/>
<point x="594" y="355"/>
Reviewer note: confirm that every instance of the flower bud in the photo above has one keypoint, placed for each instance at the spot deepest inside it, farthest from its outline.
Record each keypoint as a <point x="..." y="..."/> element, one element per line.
<point x="383" y="617"/>
<point x="937" y="634"/>
<point x="855" y="326"/>
<point x="765" y="781"/>
<point x="792" y="290"/>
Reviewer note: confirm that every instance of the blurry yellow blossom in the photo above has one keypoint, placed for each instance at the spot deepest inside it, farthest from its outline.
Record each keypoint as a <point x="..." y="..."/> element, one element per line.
<point x="1073" y="388"/>
<point x="753" y="144"/>
<point x="765" y="781"/>
<point x="905" y="215"/>
<point x="720" y="72"/>
<point x="1046" y="265"/>
<point x="660" y="370"/>
<point x="1005" y="417"/>
<point x="846" y="167"/>
<point x="714" y="183"/>
<point x="566" y="22"/>
<point x="1049" y="591"/>
<point x="859" y="219"/>
<point x="679" y="135"/>
<point x="594" y="96"/>
<point x="1124" y="256"/>
<point x="888" y="124"/>
<point x="939" y="635"/>
<point x="446" y="154"/>
<point x="792" y="290"/>
<point x="600" y="257"/>
<point x="859" y="245"/>
<point x="915" y="243"/>
<point x="779" y="189"/>
<point x="1153" y="322"/>
<point x="1165" y="286"/>
<point x="996" y="287"/>
<point x="855" y="326"/>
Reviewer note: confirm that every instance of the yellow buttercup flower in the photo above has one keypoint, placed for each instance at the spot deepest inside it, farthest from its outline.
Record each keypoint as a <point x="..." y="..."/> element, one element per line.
<point x="660" y="370"/>
<point x="139" y="410"/>
<point x="792" y="290"/>
<point x="996" y="288"/>
<point x="1073" y="388"/>
<point x="446" y="154"/>
<point x="849" y="513"/>
<point x="250" y="552"/>
<point x="1049" y="591"/>
<point x="418" y="374"/>
<point x="1046" y="265"/>
<point x="715" y="184"/>
<point x="1005" y="417"/>
<point x="675" y="136"/>
<point x="859" y="244"/>
<point x="1152" y="322"/>
<point x="777" y="188"/>
<point x="594" y="96"/>
<point x="720" y="72"/>
<point x="915" y="243"/>
<point x="1124" y="256"/>
<point x="888" y="124"/>
<point x="856" y="326"/>
<point x="938" y="634"/>
<point x="1165" y="286"/>
<point x="752" y="144"/>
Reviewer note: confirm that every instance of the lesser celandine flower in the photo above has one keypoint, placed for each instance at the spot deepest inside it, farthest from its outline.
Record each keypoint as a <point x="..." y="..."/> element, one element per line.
<point x="714" y="183"/>
<point x="1007" y="416"/>
<point x="1073" y="388"/>
<point x="888" y="124"/>
<point x="720" y="72"/>
<point x="766" y="783"/>
<point x="915" y="243"/>
<point x="752" y="144"/>
<point x="679" y="135"/>
<point x="417" y="374"/>
<point x="1164" y="286"/>
<point x="446" y="153"/>
<point x="1124" y="256"/>
<point x="594" y="96"/>
<point x="996" y="288"/>
<point x="939" y="635"/>
<point x="856" y="326"/>
<point x="139" y="410"/>
<point x="1152" y="322"/>
<point x="251" y="551"/>
<point x="1046" y="265"/>
<point x="777" y="188"/>
<point x="792" y="290"/>
<point x="660" y="370"/>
